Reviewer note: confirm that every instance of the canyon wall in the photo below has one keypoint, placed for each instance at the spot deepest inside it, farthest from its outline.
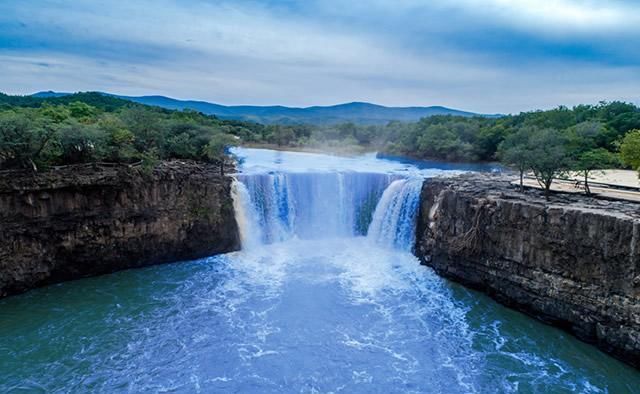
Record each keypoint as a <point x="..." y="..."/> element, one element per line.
<point x="572" y="262"/>
<point x="80" y="221"/>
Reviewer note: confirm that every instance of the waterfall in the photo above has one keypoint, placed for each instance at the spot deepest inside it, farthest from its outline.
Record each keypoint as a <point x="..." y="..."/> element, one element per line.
<point x="275" y="207"/>
<point x="249" y="229"/>
<point x="394" y="219"/>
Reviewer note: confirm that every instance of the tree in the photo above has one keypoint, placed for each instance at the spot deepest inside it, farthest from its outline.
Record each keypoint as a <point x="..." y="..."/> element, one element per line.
<point x="438" y="141"/>
<point x="145" y="124"/>
<point x="283" y="135"/>
<point x="119" y="140"/>
<point x="591" y="160"/>
<point x="215" y="150"/>
<point x="80" y="110"/>
<point x="630" y="150"/>
<point x="26" y="137"/>
<point x="514" y="151"/>
<point x="79" y="143"/>
<point x="548" y="156"/>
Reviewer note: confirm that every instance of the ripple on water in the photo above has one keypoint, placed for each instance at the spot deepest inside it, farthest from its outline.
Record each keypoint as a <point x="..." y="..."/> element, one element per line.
<point x="300" y="316"/>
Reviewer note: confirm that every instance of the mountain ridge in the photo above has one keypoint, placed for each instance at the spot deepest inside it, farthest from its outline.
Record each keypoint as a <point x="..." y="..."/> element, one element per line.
<point x="356" y="112"/>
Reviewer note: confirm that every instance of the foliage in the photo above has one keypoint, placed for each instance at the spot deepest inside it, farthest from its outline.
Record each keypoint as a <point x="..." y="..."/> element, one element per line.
<point x="38" y="133"/>
<point x="630" y="149"/>
<point x="514" y="151"/>
<point x="591" y="160"/>
<point x="547" y="156"/>
<point x="214" y="151"/>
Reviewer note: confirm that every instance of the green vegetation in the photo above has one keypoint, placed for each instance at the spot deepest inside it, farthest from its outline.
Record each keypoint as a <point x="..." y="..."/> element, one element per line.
<point x="90" y="127"/>
<point x="469" y="139"/>
<point x="630" y="150"/>
<point x="547" y="143"/>
<point x="38" y="133"/>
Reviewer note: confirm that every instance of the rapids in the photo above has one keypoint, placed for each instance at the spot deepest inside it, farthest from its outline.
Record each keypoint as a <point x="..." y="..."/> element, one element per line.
<point x="325" y="296"/>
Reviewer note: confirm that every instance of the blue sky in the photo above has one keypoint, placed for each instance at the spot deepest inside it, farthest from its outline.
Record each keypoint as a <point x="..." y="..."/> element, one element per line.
<point x="479" y="55"/>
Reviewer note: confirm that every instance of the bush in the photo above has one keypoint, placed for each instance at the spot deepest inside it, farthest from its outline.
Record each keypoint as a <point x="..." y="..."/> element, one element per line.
<point x="630" y="150"/>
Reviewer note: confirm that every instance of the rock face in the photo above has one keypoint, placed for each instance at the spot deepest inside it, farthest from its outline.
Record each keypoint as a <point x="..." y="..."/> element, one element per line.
<point x="82" y="220"/>
<point x="572" y="262"/>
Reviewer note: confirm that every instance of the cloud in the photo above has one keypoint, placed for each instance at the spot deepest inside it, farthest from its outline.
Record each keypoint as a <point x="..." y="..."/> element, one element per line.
<point x="548" y="17"/>
<point x="561" y="16"/>
<point x="306" y="53"/>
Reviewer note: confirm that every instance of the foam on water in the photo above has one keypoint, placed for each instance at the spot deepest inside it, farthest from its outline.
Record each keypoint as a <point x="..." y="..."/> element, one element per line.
<point x="307" y="205"/>
<point x="324" y="297"/>
<point x="394" y="220"/>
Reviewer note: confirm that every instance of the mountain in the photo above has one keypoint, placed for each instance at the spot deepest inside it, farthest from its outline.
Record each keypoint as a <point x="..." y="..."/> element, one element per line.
<point x="357" y="112"/>
<point x="50" y="94"/>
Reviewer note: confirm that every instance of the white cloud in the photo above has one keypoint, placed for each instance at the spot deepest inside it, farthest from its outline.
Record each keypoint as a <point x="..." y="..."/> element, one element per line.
<point x="557" y="16"/>
<point x="235" y="54"/>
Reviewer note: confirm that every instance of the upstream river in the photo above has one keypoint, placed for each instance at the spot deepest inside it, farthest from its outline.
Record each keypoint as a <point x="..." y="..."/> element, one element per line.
<point x="324" y="297"/>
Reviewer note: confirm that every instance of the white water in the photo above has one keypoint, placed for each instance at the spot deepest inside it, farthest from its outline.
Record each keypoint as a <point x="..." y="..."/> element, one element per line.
<point x="394" y="220"/>
<point x="318" y="205"/>
<point x="310" y="305"/>
<point x="250" y="234"/>
<point x="328" y="240"/>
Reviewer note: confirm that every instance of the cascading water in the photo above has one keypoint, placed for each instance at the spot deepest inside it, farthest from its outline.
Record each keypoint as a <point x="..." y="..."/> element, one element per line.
<point x="250" y="234"/>
<point x="394" y="219"/>
<point x="310" y="205"/>
<point x="324" y="297"/>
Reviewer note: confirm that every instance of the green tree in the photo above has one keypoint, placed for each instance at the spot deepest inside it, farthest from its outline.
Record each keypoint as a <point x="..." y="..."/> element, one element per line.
<point x="591" y="160"/>
<point x="630" y="150"/>
<point x="80" y="143"/>
<point x="514" y="151"/>
<point x="548" y="156"/>
<point x="80" y="110"/>
<point x="26" y="138"/>
<point x="146" y="126"/>
<point x="119" y="146"/>
<point x="215" y="150"/>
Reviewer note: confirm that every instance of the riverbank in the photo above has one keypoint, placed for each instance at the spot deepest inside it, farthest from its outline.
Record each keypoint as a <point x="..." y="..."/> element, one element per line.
<point x="571" y="262"/>
<point x="87" y="220"/>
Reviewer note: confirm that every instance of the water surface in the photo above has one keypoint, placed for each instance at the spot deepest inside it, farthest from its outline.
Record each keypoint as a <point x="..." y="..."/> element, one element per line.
<point x="325" y="297"/>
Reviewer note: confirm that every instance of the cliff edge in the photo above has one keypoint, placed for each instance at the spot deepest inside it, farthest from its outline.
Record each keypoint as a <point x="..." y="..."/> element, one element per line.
<point x="572" y="262"/>
<point x="88" y="220"/>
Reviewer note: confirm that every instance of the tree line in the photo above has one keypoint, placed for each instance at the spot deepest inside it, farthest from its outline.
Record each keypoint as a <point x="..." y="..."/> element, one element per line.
<point x="549" y="143"/>
<point x="36" y="134"/>
<point x="87" y="127"/>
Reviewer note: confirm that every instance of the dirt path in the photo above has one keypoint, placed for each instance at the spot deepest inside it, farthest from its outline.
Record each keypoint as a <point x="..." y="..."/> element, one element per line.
<point x="604" y="184"/>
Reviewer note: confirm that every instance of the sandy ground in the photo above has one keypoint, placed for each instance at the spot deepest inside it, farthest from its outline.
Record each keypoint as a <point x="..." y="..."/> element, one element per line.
<point x="611" y="177"/>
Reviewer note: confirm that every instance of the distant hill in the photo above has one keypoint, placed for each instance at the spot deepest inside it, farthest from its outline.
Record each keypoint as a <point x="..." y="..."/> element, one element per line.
<point x="99" y="100"/>
<point x="361" y="113"/>
<point x="50" y="94"/>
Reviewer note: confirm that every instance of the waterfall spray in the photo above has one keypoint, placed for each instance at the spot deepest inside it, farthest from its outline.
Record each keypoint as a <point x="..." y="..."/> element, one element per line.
<point x="250" y="234"/>
<point x="393" y="223"/>
<point x="275" y="207"/>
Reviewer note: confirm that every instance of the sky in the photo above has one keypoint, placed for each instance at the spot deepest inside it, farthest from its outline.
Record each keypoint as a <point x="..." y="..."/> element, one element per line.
<point x="487" y="56"/>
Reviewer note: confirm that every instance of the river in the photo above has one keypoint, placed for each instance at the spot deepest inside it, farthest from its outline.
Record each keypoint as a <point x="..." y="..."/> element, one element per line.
<point x="325" y="296"/>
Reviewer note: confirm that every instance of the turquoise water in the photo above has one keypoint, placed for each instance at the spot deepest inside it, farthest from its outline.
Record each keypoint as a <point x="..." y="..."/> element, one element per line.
<point x="313" y="303"/>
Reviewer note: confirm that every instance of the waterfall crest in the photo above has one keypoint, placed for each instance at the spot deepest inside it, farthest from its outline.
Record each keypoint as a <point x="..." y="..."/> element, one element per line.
<point x="250" y="234"/>
<point x="275" y="207"/>
<point x="394" y="220"/>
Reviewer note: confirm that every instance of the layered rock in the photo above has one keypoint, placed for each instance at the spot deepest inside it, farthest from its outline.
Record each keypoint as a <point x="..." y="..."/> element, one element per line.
<point x="88" y="220"/>
<point x="572" y="261"/>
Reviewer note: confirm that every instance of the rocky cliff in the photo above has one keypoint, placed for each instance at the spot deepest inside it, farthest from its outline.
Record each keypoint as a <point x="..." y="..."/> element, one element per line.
<point x="572" y="262"/>
<point x="88" y="220"/>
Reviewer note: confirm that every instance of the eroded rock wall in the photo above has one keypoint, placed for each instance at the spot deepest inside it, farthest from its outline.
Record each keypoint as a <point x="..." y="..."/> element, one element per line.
<point x="83" y="220"/>
<point x="572" y="262"/>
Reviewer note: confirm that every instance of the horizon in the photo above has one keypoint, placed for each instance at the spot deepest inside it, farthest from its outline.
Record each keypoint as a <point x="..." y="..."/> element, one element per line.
<point x="312" y="106"/>
<point x="252" y="105"/>
<point x="495" y="57"/>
